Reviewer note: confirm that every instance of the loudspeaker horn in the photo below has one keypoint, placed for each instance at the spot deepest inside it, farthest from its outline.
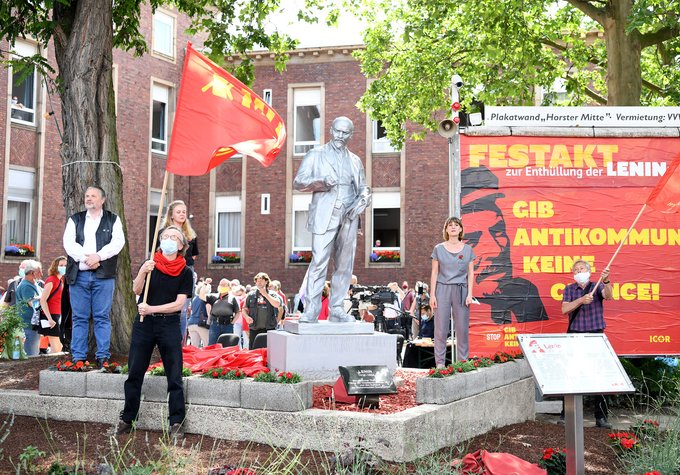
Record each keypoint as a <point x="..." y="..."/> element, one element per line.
<point x="447" y="128"/>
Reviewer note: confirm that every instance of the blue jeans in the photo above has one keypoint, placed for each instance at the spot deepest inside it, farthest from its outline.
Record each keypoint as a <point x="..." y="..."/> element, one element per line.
<point x="164" y="333"/>
<point x="32" y="343"/>
<point x="91" y="296"/>
<point x="216" y="330"/>
<point x="183" y="320"/>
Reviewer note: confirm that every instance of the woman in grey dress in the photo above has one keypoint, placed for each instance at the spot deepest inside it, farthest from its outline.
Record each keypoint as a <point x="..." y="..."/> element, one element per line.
<point x="451" y="285"/>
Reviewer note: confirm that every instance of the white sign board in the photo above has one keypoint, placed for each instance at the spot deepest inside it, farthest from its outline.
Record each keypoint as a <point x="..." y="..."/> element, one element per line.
<point x="574" y="363"/>
<point x="526" y="116"/>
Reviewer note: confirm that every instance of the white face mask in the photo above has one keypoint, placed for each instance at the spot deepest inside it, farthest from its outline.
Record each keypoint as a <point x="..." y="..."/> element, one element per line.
<point x="168" y="246"/>
<point x="582" y="277"/>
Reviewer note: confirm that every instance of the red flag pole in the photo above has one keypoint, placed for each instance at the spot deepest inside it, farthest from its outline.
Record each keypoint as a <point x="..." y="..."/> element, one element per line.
<point x="155" y="238"/>
<point x="620" y="246"/>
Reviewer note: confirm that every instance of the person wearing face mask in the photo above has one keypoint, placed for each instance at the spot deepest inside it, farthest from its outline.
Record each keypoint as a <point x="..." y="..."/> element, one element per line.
<point x="27" y="295"/>
<point x="50" y="303"/>
<point x="223" y="310"/>
<point x="586" y="315"/>
<point x="171" y="283"/>
<point x="10" y="299"/>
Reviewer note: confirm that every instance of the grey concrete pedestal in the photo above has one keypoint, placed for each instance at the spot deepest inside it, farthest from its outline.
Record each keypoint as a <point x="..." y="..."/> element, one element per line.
<point x="317" y="356"/>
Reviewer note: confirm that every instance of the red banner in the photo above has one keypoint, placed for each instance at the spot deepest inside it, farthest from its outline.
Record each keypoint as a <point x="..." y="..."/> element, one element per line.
<point x="531" y="206"/>
<point x="218" y="117"/>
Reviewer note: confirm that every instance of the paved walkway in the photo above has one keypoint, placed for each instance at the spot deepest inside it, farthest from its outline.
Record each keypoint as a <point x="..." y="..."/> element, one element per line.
<point x="620" y="419"/>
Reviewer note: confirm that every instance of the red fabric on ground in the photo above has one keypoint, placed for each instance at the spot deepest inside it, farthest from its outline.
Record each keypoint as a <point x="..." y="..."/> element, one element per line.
<point x="199" y="360"/>
<point x="493" y="463"/>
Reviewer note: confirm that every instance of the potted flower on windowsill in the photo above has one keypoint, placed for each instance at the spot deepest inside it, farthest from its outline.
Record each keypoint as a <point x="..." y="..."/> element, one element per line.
<point x="226" y="258"/>
<point x="19" y="250"/>
<point x="289" y="395"/>
<point x="385" y="256"/>
<point x="300" y="257"/>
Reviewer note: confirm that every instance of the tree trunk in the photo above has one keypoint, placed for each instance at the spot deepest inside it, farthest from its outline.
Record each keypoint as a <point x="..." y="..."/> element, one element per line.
<point x="624" y="77"/>
<point x="83" y="42"/>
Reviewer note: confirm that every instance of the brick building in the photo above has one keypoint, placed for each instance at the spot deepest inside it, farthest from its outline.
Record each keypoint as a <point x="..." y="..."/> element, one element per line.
<point x="242" y="211"/>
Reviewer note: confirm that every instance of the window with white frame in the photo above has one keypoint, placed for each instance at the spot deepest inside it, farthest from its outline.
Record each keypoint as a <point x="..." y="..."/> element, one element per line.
<point x="20" y="190"/>
<point x="228" y="226"/>
<point x="381" y="144"/>
<point x="24" y="86"/>
<point x="164" y="34"/>
<point x="267" y="96"/>
<point x="557" y="94"/>
<point x="306" y="119"/>
<point x="159" y="118"/>
<point x="154" y="203"/>
<point x="386" y="244"/>
<point x="302" y="238"/>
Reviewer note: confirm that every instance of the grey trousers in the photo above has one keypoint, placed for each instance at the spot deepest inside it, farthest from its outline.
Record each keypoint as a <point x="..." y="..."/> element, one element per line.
<point x="339" y="243"/>
<point x="451" y="299"/>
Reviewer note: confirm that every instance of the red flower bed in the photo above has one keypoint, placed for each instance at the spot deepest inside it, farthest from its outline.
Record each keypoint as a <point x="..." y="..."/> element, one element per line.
<point x="389" y="403"/>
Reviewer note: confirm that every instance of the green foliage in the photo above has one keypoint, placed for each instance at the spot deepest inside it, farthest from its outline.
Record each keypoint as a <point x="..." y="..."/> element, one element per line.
<point x="656" y="384"/>
<point x="233" y="27"/>
<point x="11" y="326"/>
<point x="28" y="458"/>
<point x="160" y="371"/>
<point x="554" y="461"/>
<point x="265" y="376"/>
<point x="503" y="51"/>
<point x="658" y="450"/>
<point x="223" y="373"/>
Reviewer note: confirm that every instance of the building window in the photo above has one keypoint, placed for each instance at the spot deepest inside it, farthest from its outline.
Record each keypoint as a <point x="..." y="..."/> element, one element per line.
<point x="381" y="143"/>
<point x="302" y="239"/>
<point x="386" y="245"/>
<point x="164" y="34"/>
<point x="159" y="119"/>
<point x="306" y="120"/>
<point x="24" y="87"/>
<point x="228" y="225"/>
<point x="557" y="95"/>
<point x="154" y="202"/>
<point x="20" y="190"/>
<point x="267" y="96"/>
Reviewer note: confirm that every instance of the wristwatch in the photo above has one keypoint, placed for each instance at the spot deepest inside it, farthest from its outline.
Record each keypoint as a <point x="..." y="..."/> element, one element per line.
<point x="606" y="283"/>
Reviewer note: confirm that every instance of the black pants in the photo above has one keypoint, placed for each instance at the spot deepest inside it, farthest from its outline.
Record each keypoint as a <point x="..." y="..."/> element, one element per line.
<point x="163" y="332"/>
<point x="600" y="402"/>
<point x="252" y="334"/>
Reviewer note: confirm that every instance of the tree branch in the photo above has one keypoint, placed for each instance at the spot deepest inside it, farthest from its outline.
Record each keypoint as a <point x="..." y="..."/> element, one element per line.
<point x="595" y="96"/>
<point x="590" y="10"/>
<point x="659" y="36"/>
<point x="596" y="62"/>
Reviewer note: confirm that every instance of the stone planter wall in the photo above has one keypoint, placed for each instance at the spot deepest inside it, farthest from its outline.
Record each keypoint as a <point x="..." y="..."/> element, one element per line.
<point x="63" y="383"/>
<point x="463" y="385"/>
<point x="105" y="385"/>
<point x="276" y="396"/>
<point x="197" y="390"/>
<point x="214" y="392"/>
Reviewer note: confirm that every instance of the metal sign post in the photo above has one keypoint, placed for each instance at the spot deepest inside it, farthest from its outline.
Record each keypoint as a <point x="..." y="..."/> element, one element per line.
<point x="573" y="365"/>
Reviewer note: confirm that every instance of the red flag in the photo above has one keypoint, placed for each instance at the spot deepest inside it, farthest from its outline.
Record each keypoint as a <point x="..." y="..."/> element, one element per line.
<point x="665" y="196"/>
<point x="218" y="116"/>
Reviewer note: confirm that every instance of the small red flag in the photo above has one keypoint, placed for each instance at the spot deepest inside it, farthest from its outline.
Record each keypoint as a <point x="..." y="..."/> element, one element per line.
<point x="217" y="117"/>
<point x="665" y="196"/>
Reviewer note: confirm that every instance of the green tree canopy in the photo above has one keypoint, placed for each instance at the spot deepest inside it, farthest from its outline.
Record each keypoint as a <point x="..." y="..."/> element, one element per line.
<point x="620" y="52"/>
<point x="84" y="33"/>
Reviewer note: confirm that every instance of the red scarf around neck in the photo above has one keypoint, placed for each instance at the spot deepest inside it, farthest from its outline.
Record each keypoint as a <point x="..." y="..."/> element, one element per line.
<point x="168" y="267"/>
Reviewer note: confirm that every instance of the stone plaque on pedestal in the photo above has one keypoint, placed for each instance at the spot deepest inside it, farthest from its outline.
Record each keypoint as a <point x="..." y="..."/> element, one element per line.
<point x="362" y="380"/>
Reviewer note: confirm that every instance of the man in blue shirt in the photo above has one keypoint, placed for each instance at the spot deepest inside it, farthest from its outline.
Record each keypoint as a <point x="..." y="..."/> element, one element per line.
<point x="586" y="315"/>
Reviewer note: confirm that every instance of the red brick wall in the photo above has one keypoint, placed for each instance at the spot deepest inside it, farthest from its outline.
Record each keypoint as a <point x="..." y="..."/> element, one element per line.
<point x="264" y="249"/>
